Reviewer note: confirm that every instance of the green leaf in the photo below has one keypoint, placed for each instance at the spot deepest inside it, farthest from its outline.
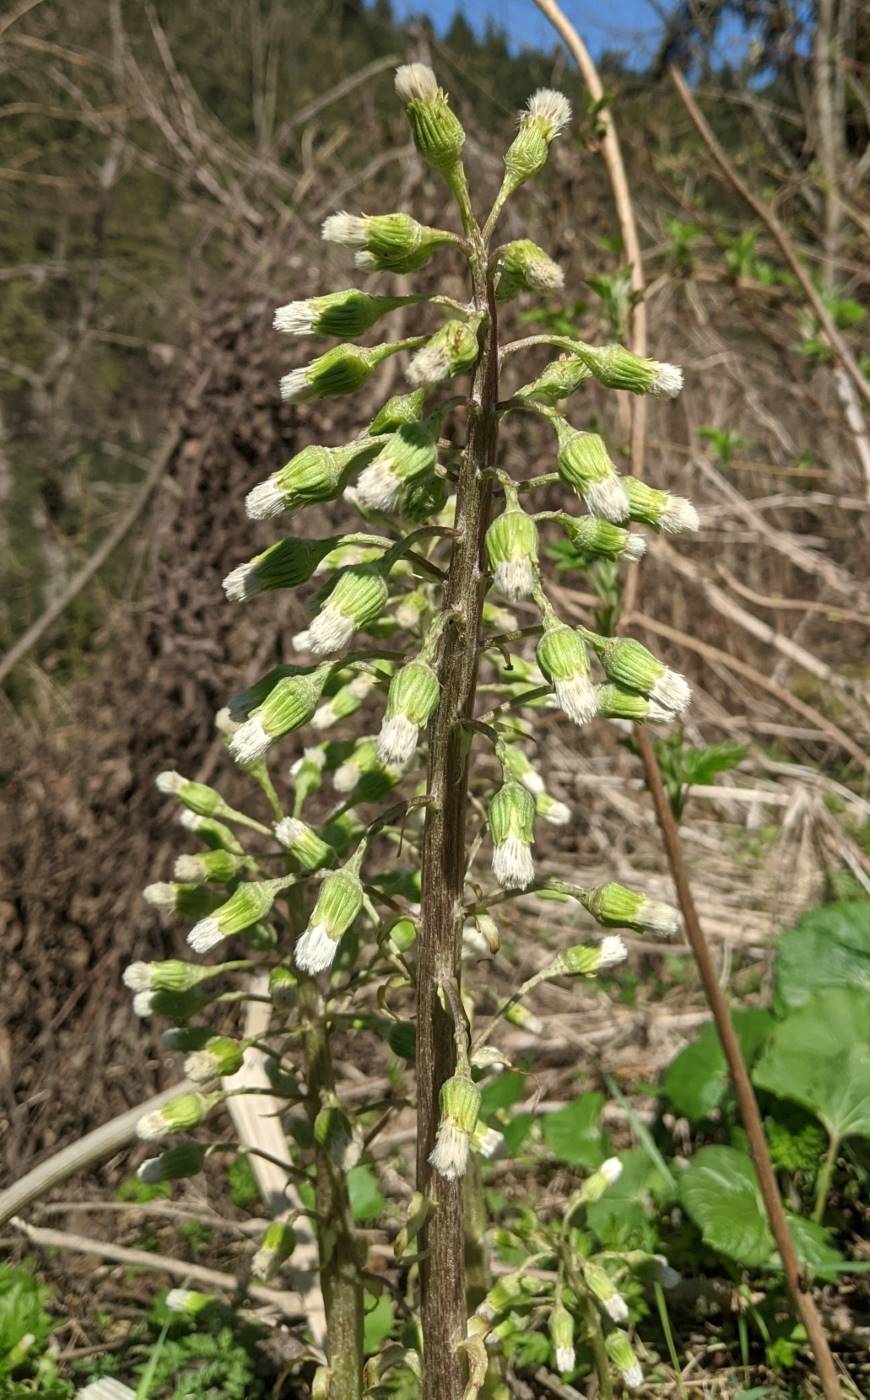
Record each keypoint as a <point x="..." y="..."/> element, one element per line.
<point x="696" y="1080"/>
<point x="572" y="1134"/>
<point x="623" y="1218"/>
<point x="720" y="1192"/>
<point x="820" y="1057"/>
<point x="829" y="948"/>
<point x="516" y="1130"/>
<point x="366" y="1201"/>
<point x="502" y="1092"/>
<point x="377" y="1323"/>
<point x="703" y="765"/>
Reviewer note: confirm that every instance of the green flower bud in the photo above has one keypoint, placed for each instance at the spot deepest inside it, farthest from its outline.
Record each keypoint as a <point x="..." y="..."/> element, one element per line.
<point x="524" y="267"/>
<point x="585" y="465"/>
<point x="176" y="1006"/>
<point x="593" y="536"/>
<point x="450" y="351"/>
<point x="673" y="514"/>
<point x="602" y="1287"/>
<point x="586" y="959"/>
<point x="615" y="906"/>
<point x="397" y="411"/>
<point x="219" y="1058"/>
<point x="212" y="832"/>
<point x="338" y="903"/>
<point x="621" y="1353"/>
<point x="283" y="986"/>
<point x="411" y="702"/>
<point x="618" y="368"/>
<point x="189" y="1302"/>
<point x="307" y="773"/>
<point x="615" y="702"/>
<point x="283" y="565"/>
<point x="178" y="1115"/>
<point x="176" y="1164"/>
<point x="276" y="1245"/>
<point x="556" y="382"/>
<point x="460" y="1105"/>
<point x="519" y="1015"/>
<point x="512" y="552"/>
<point x="357" y="597"/>
<point x="289" y="704"/>
<point x="386" y="242"/>
<point x="402" y="1040"/>
<point x="594" y="1186"/>
<point x="197" y="797"/>
<point x="562" y="1337"/>
<point x="344" y="703"/>
<point x="402" y="934"/>
<point x="517" y="766"/>
<point x="220" y="866"/>
<point x="344" y="315"/>
<point x="630" y="664"/>
<point x="408" y="454"/>
<point x="562" y="657"/>
<point x="190" y="900"/>
<point x="170" y="976"/>
<point x="249" y="903"/>
<point x="364" y="776"/>
<point x="437" y="133"/>
<point x="304" y="844"/>
<point x="509" y="1291"/>
<point x="314" y="474"/>
<point x="422" y="498"/>
<point x="546" y="115"/>
<point x="556" y="813"/>
<point x="333" y="1130"/>
<point x="511" y="817"/>
<point x="341" y="370"/>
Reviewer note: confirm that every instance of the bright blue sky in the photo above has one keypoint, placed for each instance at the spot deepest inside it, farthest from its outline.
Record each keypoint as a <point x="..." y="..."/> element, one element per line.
<point x="621" y="24"/>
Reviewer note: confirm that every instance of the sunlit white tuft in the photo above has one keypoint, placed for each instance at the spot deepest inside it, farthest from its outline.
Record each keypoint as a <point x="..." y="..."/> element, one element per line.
<point x="668" y="380"/>
<point x="379" y="486"/>
<point x="611" y="1170"/>
<point x="161" y="895"/>
<point x="346" y="776"/>
<point x="415" y="82"/>
<point x="658" y="917"/>
<point x="633" y="1377"/>
<point x="187" y="869"/>
<point x="607" y="499"/>
<point x="137" y="977"/>
<point x="315" y="950"/>
<point x="176" y="1299"/>
<point x="577" y="698"/>
<point x="673" y="691"/>
<point x="330" y="631"/>
<point x="324" y="716"/>
<point x="143" y="1004"/>
<point x="296" y="318"/>
<point x="264" y="501"/>
<point x="343" y="228"/>
<point x="169" y="782"/>
<point x="449" y="1156"/>
<point x="532" y="782"/>
<point x="288" y="831"/>
<point x="205" y="935"/>
<point x="512" y="864"/>
<point x="397" y="741"/>
<point x="551" y="107"/>
<point x="201" y="1066"/>
<point x="680" y="517"/>
<point x="242" y="583"/>
<point x="429" y="366"/>
<point x="149" y="1171"/>
<point x="515" y="578"/>
<point x="613" y="951"/>
<point x="490" y="1143"/>
<point x="616" y="1308"/>
<point x="544" y="275"/>
<point x="151" y="1125"/>
<point x="565" y="1359"/>
<point x="658" y="714"/>
<point x="295" y="386"/>
<point x="250" y="741"/>
<point x="557" y="813"/>
<point x="635" y="547"/>
<point x="474" y="945"/>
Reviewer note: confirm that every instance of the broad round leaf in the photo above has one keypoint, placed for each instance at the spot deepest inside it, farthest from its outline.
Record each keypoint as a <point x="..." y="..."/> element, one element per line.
<point x="829" y="948"/>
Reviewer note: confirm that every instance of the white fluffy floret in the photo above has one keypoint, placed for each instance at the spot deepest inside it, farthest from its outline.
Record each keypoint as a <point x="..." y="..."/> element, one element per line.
<point x="346" y="229"/>
<point x="152" y="1125"/>
<point x="611" y="1170"/>
<point x="607" y="499"/>
<point x="288" y="831"/>
<point x="143" y="1004"/>
<point x="551" y="107"/>
<point x="330" y="631"/>
<point x="161" y="895"/>
<point x="673" y="691"/>
<point x="264" y="501"/>
<point x="379" y="486"/>
<point x="533" y="782"/>
<point x="577" y="698"/>
<point x="176" y="1299"/>
<point x="668" y="380"/>
<point x="201" y="1066"/>
<point x="613" y="951"/>
<point x="205" y="935"/>
<point x="515" y="578"/>
<point x="137" y="976"/>
<point x="188" y="869"/>
<point x="429" y="366"/>
<point x="188" y="819"/>
<point x="250" y="741"/>
<point x="544" y="275"/>
<point x="449" y="1156"/>
<point x="315" y="950"/>
<point x="295" y="386"/>
<point x="616" y="1308"/>
<point x="324" y="716"/>
<point x="633" y="1377"/>
<point x="346" y="776"/>
<point x="169" y="782"/>
<point x="658" y="917"/>
<point x="565" y="1359"/>
<point x="397" y="741"/>
<point x="512" y="863"/>
<point x="296" y="318"/>
<point x="679" y="517"/>
<point x="242" y="582"/>
<point x="657" y="713"/>
<point x="557" y="813"/>
<point x="489" y="1142"/>
<point x="415" y="82"/>
<point x="635" y="547"/>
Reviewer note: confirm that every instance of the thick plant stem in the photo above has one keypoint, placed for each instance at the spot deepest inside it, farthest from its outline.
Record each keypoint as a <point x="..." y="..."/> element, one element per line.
<point x="340" y="1265"/>
<point x="442" y="1274"/>
<point x="746" y="1101"/>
